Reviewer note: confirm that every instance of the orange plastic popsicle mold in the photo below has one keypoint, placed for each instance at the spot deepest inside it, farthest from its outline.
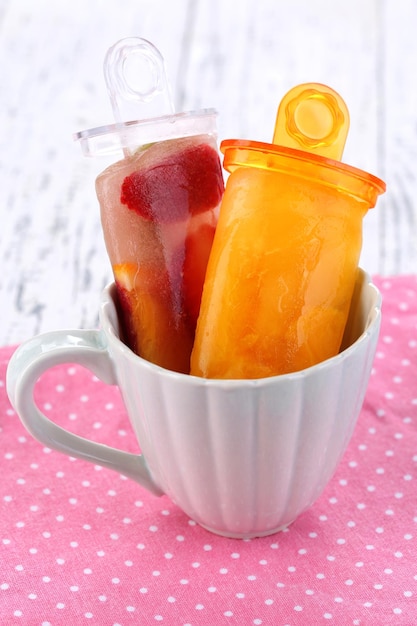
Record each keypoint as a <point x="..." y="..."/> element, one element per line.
<point x="314" y="118"/>
<point x="284" y="260"/>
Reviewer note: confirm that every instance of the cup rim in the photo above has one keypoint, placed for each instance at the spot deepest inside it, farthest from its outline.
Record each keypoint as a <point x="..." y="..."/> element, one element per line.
<point x="109" y="323"/>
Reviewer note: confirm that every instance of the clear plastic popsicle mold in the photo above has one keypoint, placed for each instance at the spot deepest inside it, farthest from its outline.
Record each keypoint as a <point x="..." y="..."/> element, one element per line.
<point x="143" y="110"/>
<point x="136" y="80"/>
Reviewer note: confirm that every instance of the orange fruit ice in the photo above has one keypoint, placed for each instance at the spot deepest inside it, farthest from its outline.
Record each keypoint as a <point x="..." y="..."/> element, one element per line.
<point x="279" y="279"/>
<point x="285" y="255"/>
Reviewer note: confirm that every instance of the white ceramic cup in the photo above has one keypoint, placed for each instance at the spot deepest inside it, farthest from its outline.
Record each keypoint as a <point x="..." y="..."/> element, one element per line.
<point x="243" y="458"/>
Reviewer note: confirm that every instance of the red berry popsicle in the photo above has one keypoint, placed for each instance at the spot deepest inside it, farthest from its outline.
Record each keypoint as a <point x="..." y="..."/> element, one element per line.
<point x="159" y="204"/>
<point x="159" y="212"/>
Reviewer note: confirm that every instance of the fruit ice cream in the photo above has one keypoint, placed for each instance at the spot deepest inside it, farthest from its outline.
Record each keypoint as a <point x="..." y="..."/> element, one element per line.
<point x="280" y="278"/>
<point x="159" y="212"/>
<point x="285" y="255"/>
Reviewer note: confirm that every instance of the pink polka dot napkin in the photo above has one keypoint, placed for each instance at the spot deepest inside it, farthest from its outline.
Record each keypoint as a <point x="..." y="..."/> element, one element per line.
<point x="83" y="545"/>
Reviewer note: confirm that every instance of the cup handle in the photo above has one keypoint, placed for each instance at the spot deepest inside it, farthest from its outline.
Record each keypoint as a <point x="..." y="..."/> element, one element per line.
<point x="89" y="349"/>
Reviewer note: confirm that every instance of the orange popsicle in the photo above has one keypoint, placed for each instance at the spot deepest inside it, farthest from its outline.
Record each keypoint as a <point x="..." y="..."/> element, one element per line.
<point x="285" y="254"/>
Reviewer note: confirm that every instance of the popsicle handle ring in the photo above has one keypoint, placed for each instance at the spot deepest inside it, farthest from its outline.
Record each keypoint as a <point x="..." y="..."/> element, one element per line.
<point x="143" y="108"/>
<point x="314" y="118"/>
<point x="136" y="80"/>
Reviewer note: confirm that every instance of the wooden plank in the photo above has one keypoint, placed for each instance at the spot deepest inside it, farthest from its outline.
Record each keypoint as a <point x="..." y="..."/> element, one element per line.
<point x="53" y="259"/>
<point x="398" y="136"/>
<point x="239" y="56"/>
<point x="248" y="54"/>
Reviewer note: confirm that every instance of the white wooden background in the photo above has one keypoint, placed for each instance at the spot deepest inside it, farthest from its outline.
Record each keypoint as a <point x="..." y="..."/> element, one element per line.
<point x="239" y="56"/>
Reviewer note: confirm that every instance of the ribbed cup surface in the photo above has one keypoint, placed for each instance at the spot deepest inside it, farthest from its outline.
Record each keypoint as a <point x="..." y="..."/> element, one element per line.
<point x="245" y="458"/>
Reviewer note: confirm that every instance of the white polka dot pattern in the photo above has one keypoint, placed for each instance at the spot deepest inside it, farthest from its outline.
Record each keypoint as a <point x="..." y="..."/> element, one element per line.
<point x="81" y="544"/>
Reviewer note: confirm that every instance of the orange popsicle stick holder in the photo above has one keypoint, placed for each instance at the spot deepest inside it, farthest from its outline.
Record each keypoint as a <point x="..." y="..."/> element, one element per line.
<point x="309" y="137"/>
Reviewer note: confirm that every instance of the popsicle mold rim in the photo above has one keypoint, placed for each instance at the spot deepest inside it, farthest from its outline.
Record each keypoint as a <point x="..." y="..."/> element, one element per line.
<point x="262" y="155"/>
<point x="111" y="138"/>
<point x="139" y="119"/>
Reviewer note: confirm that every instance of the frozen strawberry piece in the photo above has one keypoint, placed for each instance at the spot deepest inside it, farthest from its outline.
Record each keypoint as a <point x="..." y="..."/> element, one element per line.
<point x="185" y="183"/>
